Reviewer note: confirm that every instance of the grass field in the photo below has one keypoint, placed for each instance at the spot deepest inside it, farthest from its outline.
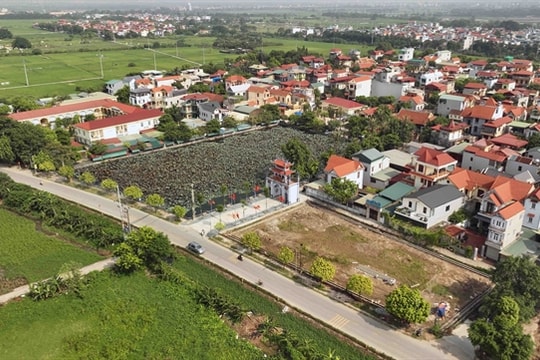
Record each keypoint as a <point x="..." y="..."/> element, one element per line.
<point x="68" y="66"/>
<point x="27" y="253"/>
<point x="137" y="317"/>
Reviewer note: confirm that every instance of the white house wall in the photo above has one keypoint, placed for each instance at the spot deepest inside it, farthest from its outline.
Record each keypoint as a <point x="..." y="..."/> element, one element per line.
<point x="531" y="219"/>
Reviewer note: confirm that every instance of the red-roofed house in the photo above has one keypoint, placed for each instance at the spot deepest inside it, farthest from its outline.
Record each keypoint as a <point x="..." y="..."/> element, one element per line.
<point x="343" y="168"/>
<point x="474" y="88"/>
<point x="471" y="183"/>
<point x="510" y="141"/>
<point x="359" y="86"/>
<point x="98" y="108"/>
<point x="522" y="78"/>
<point x="495" y="128"/>
<point x="483" y="154"/>
<point x="347" y="107"/>
<point x="501" y="213"/>
<point x="114" y="127"/>
<point x="451" y="134"/>
<point x="414" y="101"/>
<point x="478" y="115"/>
<point x="430" y="167"/>
<point x="418" y="118"/>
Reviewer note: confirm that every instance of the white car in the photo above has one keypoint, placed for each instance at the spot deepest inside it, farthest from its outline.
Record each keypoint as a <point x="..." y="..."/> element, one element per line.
<point x="195" y="247"/>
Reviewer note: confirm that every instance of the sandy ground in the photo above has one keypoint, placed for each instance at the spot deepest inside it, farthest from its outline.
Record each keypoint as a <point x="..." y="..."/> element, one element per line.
<point x="312" y="232"/>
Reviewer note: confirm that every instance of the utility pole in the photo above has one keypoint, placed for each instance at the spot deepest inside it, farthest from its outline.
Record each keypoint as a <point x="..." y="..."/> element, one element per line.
<point x="124" y="213"/>
<point x="155" y="64"/>
<point x="192" y="202"/>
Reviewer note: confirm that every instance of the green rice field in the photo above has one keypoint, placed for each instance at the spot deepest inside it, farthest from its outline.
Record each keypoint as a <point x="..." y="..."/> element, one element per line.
<point x="30" y="254"/>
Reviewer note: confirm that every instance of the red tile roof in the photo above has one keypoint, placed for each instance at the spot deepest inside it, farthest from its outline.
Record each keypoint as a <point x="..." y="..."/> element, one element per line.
<point x="469" y="180"/>
<point x="342" y="166"/>
<point x="51" y="111"/>
<point x="511" y="210"/>
<point x="419" y="118"/>
<point x="140" y="114"/>
<point x="480" y="112"/>
<point x="434" y="157"/>
<point x="344" y="103"/>
<point x="507" y="189"/>
<point x="509" y="140"/>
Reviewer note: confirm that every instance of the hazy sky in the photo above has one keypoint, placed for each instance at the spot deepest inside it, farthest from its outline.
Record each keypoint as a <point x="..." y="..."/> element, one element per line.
<point x="55" y="5"/>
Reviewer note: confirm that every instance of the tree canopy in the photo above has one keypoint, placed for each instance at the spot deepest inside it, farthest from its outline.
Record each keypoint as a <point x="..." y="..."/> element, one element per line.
<point x="341" y="190"/>
<point x="323" y="269"/>
<point x="407" y="304"/>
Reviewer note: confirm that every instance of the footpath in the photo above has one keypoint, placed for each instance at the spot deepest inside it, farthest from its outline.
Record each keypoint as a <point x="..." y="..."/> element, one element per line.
<point x="21" y="291"/>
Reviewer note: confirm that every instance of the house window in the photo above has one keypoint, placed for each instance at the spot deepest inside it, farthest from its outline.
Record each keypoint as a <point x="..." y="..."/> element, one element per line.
<point x="519" y="168"/>
<point x="533" y="205"/>
<point x="471" y="159"/>
<point x="410" y="204"/>
<point x="424" y="210"/>
<point x="420" y="168"/>
<point x="530" y="220"/>
<point x="447" y="208"/>
<point x="373" y="180"/>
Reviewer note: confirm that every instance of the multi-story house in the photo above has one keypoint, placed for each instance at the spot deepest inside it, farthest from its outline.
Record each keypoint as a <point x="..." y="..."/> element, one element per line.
<point x="517" y="164"/>
<point x="359" y="86"/>
<point x="449" y="135"/>
<point x="210" y="110"/>
<point x="501" y="213"/>
<point x="478" y="115"/>
<point x="430" y="206"/>
<point x="343" y="168"/>
<point x="472" y="184"/>
<point x="141" y="97"/>
<point x="483" y="155"/>
<point x="406" y="54"/>
<point x="114" y="127"/>
<point x="531" y="204"/>
<point x="430" y="167"/>
<point x="453" y="102"/>
<point x="373" y="161"/>
<point x="258" y="95"/>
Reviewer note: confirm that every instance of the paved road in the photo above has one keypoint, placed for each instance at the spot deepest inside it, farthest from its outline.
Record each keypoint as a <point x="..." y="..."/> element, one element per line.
<point x="364" y="328"/>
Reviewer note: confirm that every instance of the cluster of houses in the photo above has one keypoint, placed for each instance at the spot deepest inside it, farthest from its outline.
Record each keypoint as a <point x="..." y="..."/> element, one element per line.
<point x="479" y="160"/>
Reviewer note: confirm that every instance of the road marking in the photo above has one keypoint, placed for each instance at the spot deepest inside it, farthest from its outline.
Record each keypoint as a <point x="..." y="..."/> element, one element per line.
<point x="338" y="321"/>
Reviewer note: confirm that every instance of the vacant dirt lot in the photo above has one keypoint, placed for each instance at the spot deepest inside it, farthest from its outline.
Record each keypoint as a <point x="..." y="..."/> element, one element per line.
<point x="312" y="232"/>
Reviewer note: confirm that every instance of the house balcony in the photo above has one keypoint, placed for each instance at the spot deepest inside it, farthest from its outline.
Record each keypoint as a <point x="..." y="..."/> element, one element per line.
<point x="413" y="215"/>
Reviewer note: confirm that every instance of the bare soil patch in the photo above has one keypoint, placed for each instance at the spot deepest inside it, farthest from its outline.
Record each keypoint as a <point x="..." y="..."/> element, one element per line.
<point x="313" y="232"/>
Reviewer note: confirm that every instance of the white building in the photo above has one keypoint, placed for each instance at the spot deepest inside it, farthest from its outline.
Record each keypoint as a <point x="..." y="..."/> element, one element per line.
<point x="343" y="168"/>
<point x="113" y="127"/>
<point x="406" y="54"/>
<point x="430" y="206"/>
<point x="373" y="161"/>
<point x="282" y="183"/>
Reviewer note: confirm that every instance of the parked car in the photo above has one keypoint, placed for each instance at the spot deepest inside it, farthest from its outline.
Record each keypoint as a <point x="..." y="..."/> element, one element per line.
<point x="195" y="247"/>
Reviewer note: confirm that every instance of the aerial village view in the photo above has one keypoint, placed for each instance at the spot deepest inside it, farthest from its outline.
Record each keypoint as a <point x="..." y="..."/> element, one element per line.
<point x="280" y="181"/>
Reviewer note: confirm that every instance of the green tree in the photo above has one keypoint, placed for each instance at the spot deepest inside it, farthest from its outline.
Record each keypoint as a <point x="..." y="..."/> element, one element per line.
<point x="6" y="152"/>
<point x="301" y="157"/>
<point x="360" y="284"/>
<point x="341" y="190"/>
<point x="501" y="336"/>
<point x="133" y="192"/>
<point x="87" y="178"/>
<point x="179" y="211"/>
<point x="251" y="240"/>
<point x="5" y="34"/>
<point x="323" y="269"/>
<point x="109" y="184"/>
<point x="199" y="88"/>
<point x="155" y="200"/>
<point x="213" y="126"/>
<point x="533" y="141"/>
<point x="229" y="122"/>
<point x="286" y="255"/>
<point x="122" y="95"/>
<point x="97" y="148"/>
<point x="127" y="260"/>
<point x="21" y="43"/>
<point x="67" y="171"/>
<point x="407" y="304"/>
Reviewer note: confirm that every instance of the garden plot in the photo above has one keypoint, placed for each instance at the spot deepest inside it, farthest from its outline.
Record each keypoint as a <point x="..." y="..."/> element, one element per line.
<point x="352" y="247"/>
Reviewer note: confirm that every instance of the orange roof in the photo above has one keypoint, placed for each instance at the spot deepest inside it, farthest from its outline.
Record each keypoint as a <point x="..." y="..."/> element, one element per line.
<point x="140" y="114"/>
<point x="51" y="111"/>
<point x="469" y="180"/>
<point x="419" y="118"/>
<point x="511" y="210"/>
<point x="499" y="122"/>
<point x="480" y="112"/>
<point x="344" y="103"/>
<point x="342" y="166"/>
<point x="257" y="89"/>
<point x="509" y="140"/>
<point x="507" y="189"/>
<point x="360" y="79"/>
<point x="434" y="157"/>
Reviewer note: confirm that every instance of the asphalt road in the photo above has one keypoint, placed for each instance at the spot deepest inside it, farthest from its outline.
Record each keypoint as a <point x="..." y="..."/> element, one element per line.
<point x="346" y="319"/>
